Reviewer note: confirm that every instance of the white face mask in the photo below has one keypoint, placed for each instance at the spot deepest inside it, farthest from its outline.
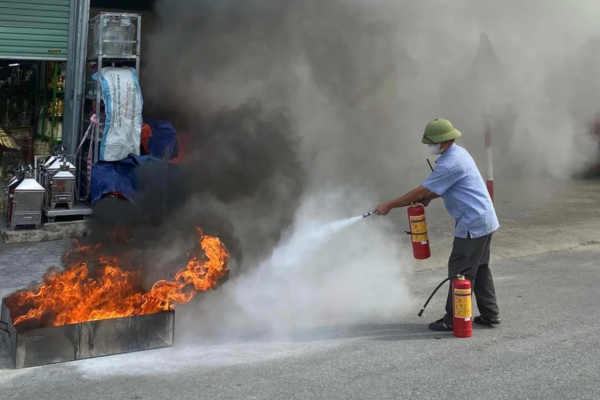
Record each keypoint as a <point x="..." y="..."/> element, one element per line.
<point x="435" y="149"/>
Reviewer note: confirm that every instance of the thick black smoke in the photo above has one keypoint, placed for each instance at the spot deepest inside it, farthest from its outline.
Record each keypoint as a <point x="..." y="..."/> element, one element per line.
<point x="244" y="155"/>
<point x="341" y="54"/>
<point x="240" y="152"/>
<point x="243" y="177"/>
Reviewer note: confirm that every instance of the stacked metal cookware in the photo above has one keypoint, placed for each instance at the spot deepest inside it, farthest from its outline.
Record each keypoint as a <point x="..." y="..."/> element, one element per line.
<point x="61" y="187"/>
<point x="57" y="176"/>
<point x="24" y="198"/>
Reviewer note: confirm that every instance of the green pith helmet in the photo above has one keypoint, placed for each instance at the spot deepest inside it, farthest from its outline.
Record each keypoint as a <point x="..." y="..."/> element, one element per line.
<point x="439" y="130"/>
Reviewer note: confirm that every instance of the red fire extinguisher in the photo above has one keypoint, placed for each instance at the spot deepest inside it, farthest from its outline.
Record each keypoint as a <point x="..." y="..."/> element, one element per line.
<point x="462" y="319"/>
<point x="418" y="232"/>
<point x="462" y="324"/>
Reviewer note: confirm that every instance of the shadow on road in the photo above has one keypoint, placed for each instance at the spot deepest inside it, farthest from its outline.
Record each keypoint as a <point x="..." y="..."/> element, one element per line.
<point x="384" y="332"/>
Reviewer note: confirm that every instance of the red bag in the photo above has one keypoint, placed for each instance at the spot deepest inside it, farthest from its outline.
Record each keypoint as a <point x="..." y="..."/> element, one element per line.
<point x="146" y="135"/>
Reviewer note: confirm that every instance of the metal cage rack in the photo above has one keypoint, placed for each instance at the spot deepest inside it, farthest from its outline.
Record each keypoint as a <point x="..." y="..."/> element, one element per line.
<point x="114" y="39"/>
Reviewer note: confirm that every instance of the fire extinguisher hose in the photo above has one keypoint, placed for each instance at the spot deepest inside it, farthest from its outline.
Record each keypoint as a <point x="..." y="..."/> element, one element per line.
<point x="438" y="287"/>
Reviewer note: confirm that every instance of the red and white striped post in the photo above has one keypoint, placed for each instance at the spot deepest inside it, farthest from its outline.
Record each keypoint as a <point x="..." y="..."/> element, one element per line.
<point x="487" y="70"/>
<point x="488" y="154"/>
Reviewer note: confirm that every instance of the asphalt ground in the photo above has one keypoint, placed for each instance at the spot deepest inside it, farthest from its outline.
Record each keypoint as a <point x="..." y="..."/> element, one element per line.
<point x="546" y="348"/>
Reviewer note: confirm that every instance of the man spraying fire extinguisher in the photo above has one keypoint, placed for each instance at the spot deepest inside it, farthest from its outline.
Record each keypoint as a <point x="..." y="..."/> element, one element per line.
<point x="459" y="183"/>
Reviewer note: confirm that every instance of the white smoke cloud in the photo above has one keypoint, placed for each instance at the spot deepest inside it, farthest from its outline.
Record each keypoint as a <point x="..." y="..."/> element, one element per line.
<point x="326" y="271"/>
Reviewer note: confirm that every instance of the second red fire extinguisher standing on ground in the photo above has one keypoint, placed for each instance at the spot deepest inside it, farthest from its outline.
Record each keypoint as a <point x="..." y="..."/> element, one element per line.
<point x="462" y="321"/>
<point x="462" y="325"/>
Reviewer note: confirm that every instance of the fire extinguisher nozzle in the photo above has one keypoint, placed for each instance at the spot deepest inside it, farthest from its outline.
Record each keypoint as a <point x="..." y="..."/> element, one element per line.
<point x="421" y="312"/>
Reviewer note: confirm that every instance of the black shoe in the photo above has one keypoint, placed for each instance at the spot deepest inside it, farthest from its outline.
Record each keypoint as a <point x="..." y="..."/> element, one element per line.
<point x="440" y="326"/>
<point x="486" y="321"/>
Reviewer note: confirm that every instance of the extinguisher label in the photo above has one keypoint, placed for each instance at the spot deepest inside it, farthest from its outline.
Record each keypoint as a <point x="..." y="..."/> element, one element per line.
<point x="418" y="228"/>
<point x="462" y="303"/>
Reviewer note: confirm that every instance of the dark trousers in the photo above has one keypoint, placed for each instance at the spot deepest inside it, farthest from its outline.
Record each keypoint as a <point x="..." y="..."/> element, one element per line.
<point x="473" y="255"/>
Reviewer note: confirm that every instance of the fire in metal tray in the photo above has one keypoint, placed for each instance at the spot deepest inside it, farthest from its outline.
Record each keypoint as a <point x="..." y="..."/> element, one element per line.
<point x="94" y="286"/>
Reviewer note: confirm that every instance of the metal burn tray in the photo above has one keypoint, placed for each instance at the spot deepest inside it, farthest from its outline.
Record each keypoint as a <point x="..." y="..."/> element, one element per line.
<point x="42" y="346"/>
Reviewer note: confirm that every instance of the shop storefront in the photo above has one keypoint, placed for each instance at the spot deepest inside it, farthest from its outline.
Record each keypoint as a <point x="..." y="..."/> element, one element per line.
<point x="54" y="59"/>
<point x="34" y="50"/>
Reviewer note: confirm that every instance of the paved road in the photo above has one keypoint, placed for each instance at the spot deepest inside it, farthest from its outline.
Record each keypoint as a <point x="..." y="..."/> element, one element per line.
<point x="21" y="264"/>
<point x="546" y="348"/>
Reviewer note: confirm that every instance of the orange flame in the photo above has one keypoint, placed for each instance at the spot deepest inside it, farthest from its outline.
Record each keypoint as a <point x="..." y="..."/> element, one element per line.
<point x="79" y="295"/>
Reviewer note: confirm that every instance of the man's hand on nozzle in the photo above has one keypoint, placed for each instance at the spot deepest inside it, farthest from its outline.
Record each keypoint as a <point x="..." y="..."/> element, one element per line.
<point x="383" y="209"/>
<point x="409" y="198"/>
<point x="425" y="202"/>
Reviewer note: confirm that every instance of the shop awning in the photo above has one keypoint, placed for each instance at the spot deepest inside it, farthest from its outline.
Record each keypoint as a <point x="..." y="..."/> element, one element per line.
<point x="34" y="29"/>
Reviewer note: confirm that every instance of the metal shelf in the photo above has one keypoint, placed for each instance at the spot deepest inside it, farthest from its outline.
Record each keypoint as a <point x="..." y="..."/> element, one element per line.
<point x="96" y="25"/>
<point x="113" y="58"/>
